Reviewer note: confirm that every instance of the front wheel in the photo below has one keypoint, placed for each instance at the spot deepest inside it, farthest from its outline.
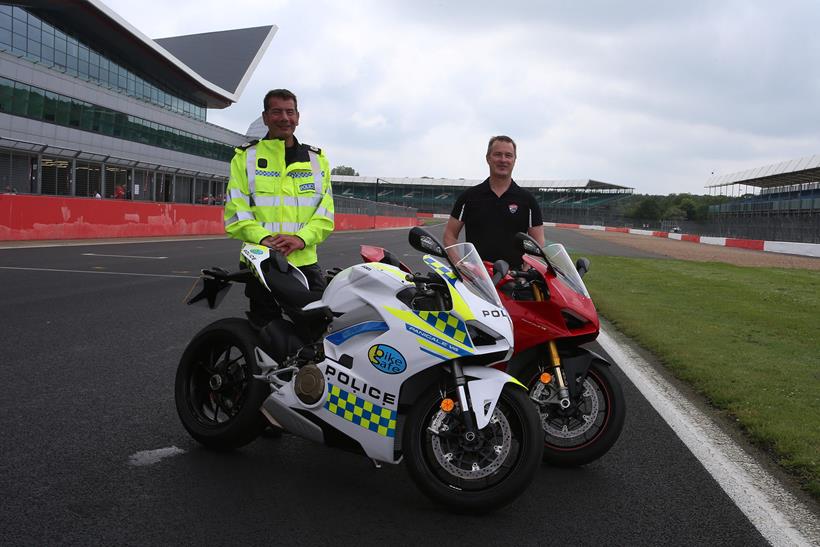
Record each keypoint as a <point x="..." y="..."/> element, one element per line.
<point x="217" y="397"/>
<point x="587" y="429"/>
<point x="481" y="475"/>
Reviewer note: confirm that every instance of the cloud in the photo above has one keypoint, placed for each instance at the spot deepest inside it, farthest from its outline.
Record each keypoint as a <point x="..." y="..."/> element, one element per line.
<point x="654" y="95"/>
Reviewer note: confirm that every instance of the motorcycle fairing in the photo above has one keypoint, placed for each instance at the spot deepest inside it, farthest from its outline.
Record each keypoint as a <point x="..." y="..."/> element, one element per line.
<point x="255" y="255"/>
<point x="444" y="271"/>
<point x="485" y="391"/>
<point x="361" y="395"/>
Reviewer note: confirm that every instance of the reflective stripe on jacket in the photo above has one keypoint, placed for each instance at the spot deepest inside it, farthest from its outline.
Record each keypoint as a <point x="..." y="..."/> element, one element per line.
<point x="266" y="197"/>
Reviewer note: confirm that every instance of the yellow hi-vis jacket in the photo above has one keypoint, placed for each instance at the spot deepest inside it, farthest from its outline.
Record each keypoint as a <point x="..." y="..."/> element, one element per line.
<point x="265" y="197"/>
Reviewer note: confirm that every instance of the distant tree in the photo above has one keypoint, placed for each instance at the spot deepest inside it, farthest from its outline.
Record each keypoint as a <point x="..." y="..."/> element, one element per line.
<point x="344" y="170"/>
<point x="674" y="213"/>
<point x="688" y="206"/>
<point x="648" y="209"/>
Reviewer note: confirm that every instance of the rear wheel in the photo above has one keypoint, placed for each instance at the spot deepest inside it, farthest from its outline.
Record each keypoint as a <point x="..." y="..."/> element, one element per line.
<point x="217" y="397"/>
<point x="473" y="476"/>
<point x="590" y="426"/>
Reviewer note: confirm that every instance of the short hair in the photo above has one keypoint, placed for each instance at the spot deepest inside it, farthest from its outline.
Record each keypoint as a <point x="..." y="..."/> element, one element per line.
<point x="279" y="94"/>
<point x="502" y="138"/>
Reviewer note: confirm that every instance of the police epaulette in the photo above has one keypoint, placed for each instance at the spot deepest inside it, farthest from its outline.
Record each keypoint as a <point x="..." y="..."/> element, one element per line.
<point x="247" y="144"/>
<point x="314" y="148"/>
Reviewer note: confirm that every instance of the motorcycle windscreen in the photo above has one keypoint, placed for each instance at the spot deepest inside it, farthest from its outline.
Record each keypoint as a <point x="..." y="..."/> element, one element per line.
<point x="560" y="261"/>
<point x="469" y="264"/>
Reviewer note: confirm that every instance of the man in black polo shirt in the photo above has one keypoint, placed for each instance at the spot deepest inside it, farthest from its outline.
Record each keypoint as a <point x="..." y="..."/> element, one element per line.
<point x="497" y="209"/>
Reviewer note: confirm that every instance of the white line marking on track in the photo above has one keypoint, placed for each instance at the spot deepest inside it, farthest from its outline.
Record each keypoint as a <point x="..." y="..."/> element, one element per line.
<point x="780" y="517"/>
<point x="91" y="272"/>
<point x="150" y="457"/>
<point x="126" y="256"/>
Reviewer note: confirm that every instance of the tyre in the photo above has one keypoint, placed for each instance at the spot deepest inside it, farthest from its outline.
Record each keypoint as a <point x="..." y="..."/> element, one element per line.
<point x="479" y="476"/>
<point x="587" y="429"/>
<point x="217" y="397"/>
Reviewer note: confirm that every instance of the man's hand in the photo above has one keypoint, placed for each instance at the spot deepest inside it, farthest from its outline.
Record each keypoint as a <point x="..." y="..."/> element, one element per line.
<point x="283" y="243"/>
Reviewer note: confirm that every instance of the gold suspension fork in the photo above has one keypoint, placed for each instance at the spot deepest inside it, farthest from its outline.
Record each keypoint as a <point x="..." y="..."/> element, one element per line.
<point x="558" y="372"/>
<point x="563" y="392"/>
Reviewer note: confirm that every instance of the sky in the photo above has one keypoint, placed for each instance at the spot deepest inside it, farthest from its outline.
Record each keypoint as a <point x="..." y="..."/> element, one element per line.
<point x="655" y="95"/>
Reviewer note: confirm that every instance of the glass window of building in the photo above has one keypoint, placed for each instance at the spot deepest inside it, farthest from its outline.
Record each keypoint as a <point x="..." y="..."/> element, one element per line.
<point x="27" y="35"/>
<point x="55" y="176"/>
<point x="183" y="189"/>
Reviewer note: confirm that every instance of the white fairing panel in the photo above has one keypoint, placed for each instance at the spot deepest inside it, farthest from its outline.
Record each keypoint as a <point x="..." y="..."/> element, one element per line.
<point x="485" y="391"/>
<point x="376" y="343"/>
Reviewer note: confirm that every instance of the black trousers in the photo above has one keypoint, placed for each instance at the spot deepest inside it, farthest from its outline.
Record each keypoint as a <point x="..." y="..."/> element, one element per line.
<point x="265" y="308"/>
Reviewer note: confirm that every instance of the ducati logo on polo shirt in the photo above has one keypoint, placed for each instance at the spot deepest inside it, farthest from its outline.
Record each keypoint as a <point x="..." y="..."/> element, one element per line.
<point x="513" y="207"/>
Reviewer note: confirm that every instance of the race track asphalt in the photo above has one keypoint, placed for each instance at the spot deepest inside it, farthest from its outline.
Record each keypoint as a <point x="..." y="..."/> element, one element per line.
<point x="91" y="336"/>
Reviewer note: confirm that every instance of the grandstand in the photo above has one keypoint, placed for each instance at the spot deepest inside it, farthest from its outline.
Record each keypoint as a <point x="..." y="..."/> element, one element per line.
<point x="775" y="202"/>
<point x="557" y="198"/>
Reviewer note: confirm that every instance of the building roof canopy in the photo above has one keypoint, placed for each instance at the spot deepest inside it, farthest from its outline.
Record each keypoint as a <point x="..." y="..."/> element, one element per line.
<point x="96" y="24"/>
<point x="226" y="58"/>
<point x="786" y="173"/>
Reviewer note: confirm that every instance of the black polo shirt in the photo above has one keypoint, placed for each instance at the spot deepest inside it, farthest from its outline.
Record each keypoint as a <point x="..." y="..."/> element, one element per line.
<point x="491" y="222"/>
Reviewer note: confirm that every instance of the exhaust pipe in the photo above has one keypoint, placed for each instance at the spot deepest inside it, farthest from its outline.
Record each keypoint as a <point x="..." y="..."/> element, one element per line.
<point x="280" y="415"/>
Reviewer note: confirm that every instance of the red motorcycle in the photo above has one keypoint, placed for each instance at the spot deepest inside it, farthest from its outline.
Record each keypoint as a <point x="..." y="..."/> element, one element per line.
<point x="579" y="399"/>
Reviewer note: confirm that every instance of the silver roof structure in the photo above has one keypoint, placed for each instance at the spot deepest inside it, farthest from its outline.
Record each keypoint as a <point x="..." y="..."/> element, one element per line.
<point x="203" y="80"/>
<point x="579" y="184"/>
<point x="786" y="173"/>
<point x="226" y="58"/>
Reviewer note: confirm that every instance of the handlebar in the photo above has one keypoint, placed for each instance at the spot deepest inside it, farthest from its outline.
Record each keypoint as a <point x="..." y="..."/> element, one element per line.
<point x="529" y="275"/>
<point x="429" y="279"/>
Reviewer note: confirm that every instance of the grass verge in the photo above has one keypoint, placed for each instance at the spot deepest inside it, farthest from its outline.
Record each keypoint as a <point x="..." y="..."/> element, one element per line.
<point x="746" y="338"/>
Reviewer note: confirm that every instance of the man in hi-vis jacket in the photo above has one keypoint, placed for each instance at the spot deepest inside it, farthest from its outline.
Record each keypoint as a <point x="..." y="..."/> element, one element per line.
<point x="279" y="196"/>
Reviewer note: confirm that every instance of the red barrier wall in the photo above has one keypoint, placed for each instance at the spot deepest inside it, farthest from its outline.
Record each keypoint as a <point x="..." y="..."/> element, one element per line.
<point x="28" y="217"/>
<point x="690" y="237"/>
<point x="616" y="229"/>
<point x="753" y="244"/>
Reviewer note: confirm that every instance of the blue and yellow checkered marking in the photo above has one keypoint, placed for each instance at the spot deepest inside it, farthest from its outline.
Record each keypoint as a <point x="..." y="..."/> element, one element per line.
<point x="444" y="271"/>
<point x="362" y="413"/>
<point x="447" y="324"/>
<point x="263" y="173"/>
<point x="303" y="174"/>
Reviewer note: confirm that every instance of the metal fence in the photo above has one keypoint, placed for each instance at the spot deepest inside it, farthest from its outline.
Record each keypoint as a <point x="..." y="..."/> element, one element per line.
<point x="798" y="228"/>
<point x="344" y="204"/>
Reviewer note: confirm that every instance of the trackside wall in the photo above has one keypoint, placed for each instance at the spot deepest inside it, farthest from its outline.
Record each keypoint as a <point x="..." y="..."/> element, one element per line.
<point x="796" y="248"/>
<point x="34" y="217"/>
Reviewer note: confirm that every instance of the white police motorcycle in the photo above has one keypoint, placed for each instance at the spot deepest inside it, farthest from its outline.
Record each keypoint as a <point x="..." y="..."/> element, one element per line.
<point x="386" y="364"/>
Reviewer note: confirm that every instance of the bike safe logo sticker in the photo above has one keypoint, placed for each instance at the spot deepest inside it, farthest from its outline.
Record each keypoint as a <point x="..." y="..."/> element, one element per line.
<point x="387" y="359"/>
<point x="257" y="251"/>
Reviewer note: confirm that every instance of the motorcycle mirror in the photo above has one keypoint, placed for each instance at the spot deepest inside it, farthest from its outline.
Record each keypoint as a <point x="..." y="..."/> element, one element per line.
<point x="423" y="241"/>
<point x="528" y="245"/>
<point x="500" y="269"/>
<point x="582" y="265"/>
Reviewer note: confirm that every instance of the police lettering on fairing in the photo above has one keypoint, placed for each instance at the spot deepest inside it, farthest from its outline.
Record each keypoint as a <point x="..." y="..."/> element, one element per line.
<point x="358" y="386"/>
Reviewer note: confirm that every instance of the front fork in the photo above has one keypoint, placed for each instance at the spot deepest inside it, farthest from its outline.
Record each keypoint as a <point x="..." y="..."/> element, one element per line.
<point x="563" y="391"/>
<point x="555" y="360"/>
<point x="467" y="413"/>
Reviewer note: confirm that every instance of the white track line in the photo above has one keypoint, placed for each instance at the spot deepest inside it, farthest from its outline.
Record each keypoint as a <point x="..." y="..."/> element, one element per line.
<point x="126" y="256"/>
<point x="150" y="457"/>
<point x="96" y="272"/>
<point x="780" y="517"/>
